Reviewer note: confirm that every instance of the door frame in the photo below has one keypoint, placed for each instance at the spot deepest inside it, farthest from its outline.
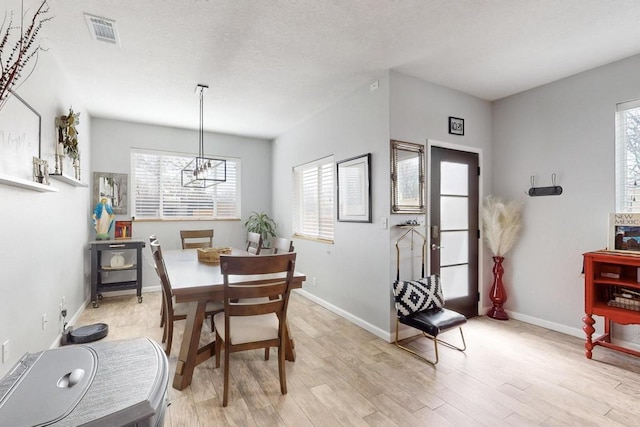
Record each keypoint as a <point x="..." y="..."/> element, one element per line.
<point x="464" y="148"/>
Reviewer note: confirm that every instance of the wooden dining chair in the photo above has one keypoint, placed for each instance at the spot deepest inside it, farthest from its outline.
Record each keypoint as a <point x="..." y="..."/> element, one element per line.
<point x="196" y="238"/>
<point x="154" y="238"/>
<point x="281" y="245"/>
<point x="255" y="309"/>
<point x="175" y="311"/>
<point x="254" y="243"/>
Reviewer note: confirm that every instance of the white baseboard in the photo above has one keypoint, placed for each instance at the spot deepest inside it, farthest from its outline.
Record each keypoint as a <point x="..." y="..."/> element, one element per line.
<point x="406" y="332"/>
<point x="350" y="317"/>
<point x="575" y="332"/>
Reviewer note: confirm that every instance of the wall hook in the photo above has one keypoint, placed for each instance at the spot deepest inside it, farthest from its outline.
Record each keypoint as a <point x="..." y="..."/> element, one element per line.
<point x="554" y="190"/>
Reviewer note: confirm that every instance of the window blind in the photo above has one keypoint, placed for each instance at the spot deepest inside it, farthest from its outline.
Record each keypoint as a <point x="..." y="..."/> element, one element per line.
<point x="313" y="199"/>
<point x="158" y="192"/>
<point x="628" y="156"/>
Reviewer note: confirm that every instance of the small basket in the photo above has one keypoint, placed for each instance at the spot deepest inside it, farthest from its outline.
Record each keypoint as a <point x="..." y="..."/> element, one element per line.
<point x="211" y="255"/>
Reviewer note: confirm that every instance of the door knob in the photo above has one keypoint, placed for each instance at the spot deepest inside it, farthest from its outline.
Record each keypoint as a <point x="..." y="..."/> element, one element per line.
<point x="435" y="247"/>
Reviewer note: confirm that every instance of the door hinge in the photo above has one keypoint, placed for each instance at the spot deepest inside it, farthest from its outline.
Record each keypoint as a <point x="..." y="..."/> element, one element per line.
<point x="478" y="296"/>
<point x="478" y="170"/>
<point x="478" y="233"/>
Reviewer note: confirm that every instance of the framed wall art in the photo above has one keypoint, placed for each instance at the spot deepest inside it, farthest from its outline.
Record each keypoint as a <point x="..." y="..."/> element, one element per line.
<point x="113" y="187"/>
<point x="20" y="128"/>
<point x="456" y="126"/>
<point x="354" y="189"/>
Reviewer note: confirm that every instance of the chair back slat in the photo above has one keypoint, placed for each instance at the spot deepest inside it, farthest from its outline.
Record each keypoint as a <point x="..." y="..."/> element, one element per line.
<point x="280" y="245"/>
<point x="257" y="285"/>
<point x="255" y="308"/>
<point x="254" y="243"/>
<point x="204" y="238"/>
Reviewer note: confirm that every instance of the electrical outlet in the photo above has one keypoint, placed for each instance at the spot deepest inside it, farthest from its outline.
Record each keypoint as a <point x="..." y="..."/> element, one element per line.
<point x="44" y="321"/>
<point x="5" y="351"/>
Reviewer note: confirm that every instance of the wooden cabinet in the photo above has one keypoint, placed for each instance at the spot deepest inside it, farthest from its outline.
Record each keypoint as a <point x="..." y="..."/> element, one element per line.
<point x="612" y="290"/>
<point x="128" y="269"/>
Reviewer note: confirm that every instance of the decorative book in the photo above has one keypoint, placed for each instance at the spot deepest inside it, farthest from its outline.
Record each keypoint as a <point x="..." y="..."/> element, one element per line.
<point x="624" y="232"/>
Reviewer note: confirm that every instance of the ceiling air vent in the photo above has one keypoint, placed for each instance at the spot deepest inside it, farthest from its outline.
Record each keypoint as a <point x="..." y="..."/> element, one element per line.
<point x="102" y="29"/>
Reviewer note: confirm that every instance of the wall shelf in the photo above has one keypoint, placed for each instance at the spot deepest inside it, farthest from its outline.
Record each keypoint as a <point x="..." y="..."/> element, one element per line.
<point x="25" y="183"/>
<point x="67" y="179"/>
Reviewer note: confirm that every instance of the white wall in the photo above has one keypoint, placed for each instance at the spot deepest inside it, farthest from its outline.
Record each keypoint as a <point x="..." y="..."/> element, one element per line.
<point x="352" y="274"/>
<point x="113" y="141"/>
<point x="566" y="128"/>
<point x="419" y="111"/>
<point x="44" y="235"/>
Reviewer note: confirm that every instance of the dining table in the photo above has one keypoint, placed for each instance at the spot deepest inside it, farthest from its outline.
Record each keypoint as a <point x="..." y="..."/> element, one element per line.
<point x="195" y="282"/>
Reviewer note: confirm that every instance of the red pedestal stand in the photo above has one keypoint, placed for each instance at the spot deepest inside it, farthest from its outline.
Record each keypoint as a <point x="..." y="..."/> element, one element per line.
<point x="498" y="295"/>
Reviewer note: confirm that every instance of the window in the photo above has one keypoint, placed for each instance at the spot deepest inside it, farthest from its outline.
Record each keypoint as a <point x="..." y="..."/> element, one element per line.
<point x="313" y="199"/>
<point x="158" y="193"/>
<point x="628" y="157"/>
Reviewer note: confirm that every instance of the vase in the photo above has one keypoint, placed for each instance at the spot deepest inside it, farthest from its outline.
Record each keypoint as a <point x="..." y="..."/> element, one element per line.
<point x="498" y="294"/>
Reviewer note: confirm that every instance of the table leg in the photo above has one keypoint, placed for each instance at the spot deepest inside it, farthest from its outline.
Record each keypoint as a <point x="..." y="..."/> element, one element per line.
<point x="189" y="347"/>
<point x="589" y="330"/>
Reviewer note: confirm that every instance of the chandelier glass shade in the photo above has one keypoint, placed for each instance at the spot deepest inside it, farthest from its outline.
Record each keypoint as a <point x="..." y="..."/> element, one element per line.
<point x="203" y="171"/>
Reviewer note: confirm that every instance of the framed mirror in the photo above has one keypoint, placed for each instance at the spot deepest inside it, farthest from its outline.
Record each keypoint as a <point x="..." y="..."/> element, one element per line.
<point x="407" y="178"/>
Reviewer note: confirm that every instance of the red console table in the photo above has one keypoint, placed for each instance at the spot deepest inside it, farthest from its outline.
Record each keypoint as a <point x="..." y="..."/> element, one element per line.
<point x="611" y="290"/>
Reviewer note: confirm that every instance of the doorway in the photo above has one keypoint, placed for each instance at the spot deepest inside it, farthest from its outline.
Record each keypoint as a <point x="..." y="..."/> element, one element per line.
<point x="454" y="232"/>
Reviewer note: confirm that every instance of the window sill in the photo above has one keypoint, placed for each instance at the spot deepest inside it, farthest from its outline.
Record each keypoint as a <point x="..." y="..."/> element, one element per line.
<point x="313" y="239"/>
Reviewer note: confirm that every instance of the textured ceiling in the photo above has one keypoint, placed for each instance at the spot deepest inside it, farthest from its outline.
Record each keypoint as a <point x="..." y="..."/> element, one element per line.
<point x="271" y="64"/>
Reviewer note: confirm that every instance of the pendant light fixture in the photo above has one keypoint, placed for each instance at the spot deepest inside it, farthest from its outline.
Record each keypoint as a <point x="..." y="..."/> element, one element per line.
<point x="203" y="171"/>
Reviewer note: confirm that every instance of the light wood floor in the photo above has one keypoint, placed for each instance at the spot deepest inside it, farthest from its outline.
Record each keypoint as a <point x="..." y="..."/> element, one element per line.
<point x="512" y="374"/>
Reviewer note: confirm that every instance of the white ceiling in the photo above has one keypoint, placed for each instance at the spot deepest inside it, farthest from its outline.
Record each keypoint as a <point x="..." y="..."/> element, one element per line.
<point x="272" y="64"/>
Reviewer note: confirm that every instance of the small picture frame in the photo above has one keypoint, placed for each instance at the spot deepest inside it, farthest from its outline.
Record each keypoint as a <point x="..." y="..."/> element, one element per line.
<point x="123" y="230"/>
<point x="456" y="126"/>
<point x="624" y="232"/>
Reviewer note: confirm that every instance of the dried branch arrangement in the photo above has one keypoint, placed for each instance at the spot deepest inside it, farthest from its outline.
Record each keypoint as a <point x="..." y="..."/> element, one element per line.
<point x="501" y="224"/>
<point x="17" y="50"/>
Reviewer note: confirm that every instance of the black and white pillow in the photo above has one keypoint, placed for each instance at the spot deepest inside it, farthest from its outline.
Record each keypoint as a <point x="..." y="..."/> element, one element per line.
<point x="412" y="296"/>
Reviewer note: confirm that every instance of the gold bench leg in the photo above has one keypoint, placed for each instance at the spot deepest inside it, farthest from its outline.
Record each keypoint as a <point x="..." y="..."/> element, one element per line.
<point x="435" y="344"/>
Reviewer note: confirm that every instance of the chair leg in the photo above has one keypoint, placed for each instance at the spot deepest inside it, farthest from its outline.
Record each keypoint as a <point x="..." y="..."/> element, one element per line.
<point x="266" y="353"/>
<point x="217" y="345"/>
<point x="435" y="344"/>
<point x="169" y="326"/>
<point x="162" y="320"/>
<point x="164" y="333"/>
<point x="281" y="368"/>
<point x="225" y="393"/>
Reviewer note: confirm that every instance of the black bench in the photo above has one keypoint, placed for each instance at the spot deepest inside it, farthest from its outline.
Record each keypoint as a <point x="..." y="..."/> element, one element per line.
<point x="432" y="323"/>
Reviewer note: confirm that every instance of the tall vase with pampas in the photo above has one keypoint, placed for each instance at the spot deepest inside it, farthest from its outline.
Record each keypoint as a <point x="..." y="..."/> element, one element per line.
<point x="501" y="226"/>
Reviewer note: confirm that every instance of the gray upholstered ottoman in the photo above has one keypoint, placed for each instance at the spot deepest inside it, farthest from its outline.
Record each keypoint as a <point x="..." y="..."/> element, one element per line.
<point x="116" y="383"/>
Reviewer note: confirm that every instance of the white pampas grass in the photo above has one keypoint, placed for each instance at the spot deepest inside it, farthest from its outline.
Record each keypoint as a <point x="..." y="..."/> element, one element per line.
<point x="500" y="224"/>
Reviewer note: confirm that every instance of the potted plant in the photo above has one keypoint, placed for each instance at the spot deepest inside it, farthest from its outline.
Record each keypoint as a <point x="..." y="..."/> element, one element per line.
<point x="501" y="226"/>
<point x="263" y="224"/>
